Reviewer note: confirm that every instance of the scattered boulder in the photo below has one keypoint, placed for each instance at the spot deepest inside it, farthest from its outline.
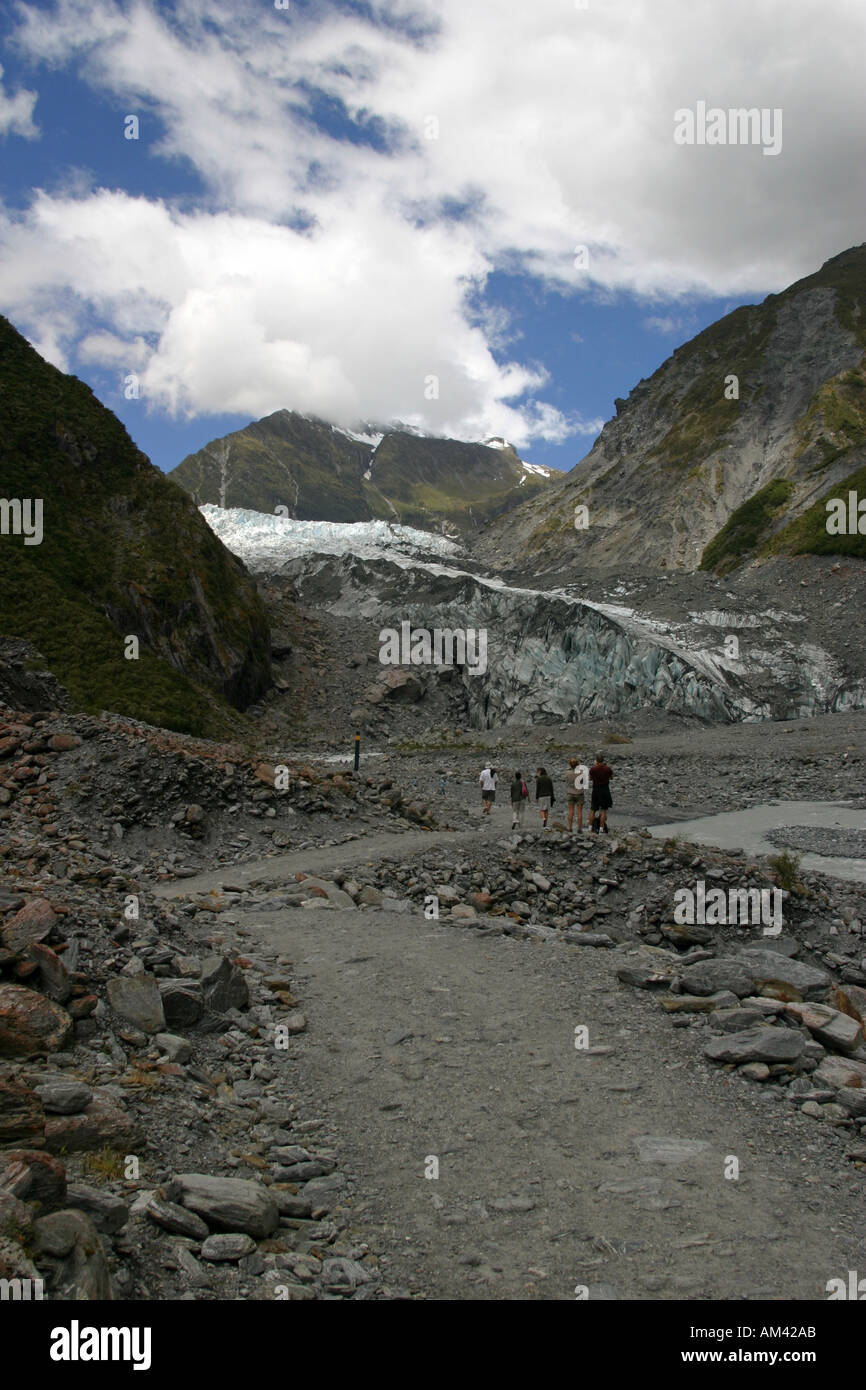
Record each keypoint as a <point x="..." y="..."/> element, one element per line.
<point x="176" y="1219"/>
<point x="22" y="1120"/>
<point x="723" y="972"/>
<point x="182" y="1006"/>
<point x="30" y="1023"/>
<point x="64" y="1097"/>
<point x="771" y="968"/>
<point x="762" y="1044"/>
<point x="227" y="1247"/>
<point x="138" y="999"/>
<point x="829" y="1026"/>
<point x="34" y="922"/>
<point x="230" y="1204"/>
<point x="107" y="1212"/>
<point x="82" y="1274"/>
<point x="102" y="1124"/>
<point x="223" y="985"/>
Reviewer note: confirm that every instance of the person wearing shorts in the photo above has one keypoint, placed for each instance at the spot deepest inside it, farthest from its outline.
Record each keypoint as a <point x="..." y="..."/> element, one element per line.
<point x="600" y="775"/>
<point x="544" y="794"/>
<point x="575" y="782"/>
<point x="488" y="789"/>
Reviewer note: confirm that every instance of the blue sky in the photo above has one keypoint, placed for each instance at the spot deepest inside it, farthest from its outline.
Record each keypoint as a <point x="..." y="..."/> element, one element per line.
<point x="331" y="206"/>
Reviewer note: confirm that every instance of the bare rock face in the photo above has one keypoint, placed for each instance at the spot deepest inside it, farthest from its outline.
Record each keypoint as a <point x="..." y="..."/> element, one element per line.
<point x="30" y="1023"/>
<point x="681" y="456"/>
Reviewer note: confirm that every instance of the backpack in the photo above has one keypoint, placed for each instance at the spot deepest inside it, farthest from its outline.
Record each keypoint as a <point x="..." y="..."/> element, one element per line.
<point x="524" y="790"/>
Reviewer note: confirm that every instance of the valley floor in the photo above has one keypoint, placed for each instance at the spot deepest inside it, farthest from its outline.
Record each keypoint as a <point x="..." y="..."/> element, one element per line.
<point x="557" y="1167"/>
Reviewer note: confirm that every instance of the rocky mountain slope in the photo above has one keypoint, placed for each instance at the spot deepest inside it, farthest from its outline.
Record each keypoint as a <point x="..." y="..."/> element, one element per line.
<point x="120" y="551"/>
<point x="727" y="452"/>
<point x="320" y="473"/>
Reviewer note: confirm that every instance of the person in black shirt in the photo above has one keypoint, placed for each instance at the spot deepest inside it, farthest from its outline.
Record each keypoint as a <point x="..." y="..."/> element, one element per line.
<point x="600" y="775"/>
<point x="544" y="794"/>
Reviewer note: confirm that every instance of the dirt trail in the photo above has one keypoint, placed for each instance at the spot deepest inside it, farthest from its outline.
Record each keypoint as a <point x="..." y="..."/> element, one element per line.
<point x="433" y="1040"/>
<point x="275" y="868"/>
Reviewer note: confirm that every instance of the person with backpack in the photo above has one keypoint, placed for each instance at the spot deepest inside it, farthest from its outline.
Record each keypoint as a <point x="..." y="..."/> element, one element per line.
<point x="575" y="780"/>
<point x="544" y="794"/>
<point x="600" y="775"/>
<point x="519" y="798"/>
<point x="488" y="789"/>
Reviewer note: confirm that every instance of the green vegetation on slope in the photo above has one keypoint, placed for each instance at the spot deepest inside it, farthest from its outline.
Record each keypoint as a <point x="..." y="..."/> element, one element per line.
<point x="319" y="473"/>
<point x="745" y="527"/>
<point x="124" y="552"/>
<point x="808" y="534"/>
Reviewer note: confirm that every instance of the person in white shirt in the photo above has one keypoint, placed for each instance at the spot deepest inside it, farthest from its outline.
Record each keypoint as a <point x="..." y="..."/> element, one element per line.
<point x="488" y="789"/>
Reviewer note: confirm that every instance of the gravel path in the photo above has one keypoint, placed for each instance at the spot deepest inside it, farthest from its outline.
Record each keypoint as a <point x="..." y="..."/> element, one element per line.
<point x="427" y="1040"/>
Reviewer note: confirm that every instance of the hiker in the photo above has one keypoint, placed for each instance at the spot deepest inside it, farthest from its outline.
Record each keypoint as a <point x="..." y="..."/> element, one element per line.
<point x="575" y="781"/>
<point x="600" y="775"/>
<point x="488" y="789"/>
<point x="544" y="794"/>
<point x="519" y="798"/>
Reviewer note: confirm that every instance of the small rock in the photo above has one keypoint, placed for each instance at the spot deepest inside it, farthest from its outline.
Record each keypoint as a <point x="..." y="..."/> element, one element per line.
<point x="232" y="1247"/>
<point x="178" y="1049"/>
<point x="108" y="1213"/>
<point x="176" y="1219"/>
<point x="65" y="1097"/>
<point x="762" y="1044"/>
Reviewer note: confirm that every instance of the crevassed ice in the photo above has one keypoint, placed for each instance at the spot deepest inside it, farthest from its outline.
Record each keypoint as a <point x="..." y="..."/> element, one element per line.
<point x="260" y="537"/>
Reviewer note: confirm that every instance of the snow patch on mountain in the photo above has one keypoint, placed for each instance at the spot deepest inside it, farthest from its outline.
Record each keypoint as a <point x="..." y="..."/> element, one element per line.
<point x="374" y="440"/>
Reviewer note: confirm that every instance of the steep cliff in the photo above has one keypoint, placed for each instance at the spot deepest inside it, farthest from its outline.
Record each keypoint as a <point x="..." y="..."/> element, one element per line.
<point x="122" y="552"/>
<point x="762" y="414"/>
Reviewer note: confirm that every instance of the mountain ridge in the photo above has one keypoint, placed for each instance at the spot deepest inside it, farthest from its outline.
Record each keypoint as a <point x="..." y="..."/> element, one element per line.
<point x="771" y="393"/>
<point x="311" y="470"/>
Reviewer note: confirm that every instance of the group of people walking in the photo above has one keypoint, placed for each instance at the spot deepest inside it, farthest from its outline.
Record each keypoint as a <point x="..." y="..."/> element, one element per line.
<point x="578" y="779"/>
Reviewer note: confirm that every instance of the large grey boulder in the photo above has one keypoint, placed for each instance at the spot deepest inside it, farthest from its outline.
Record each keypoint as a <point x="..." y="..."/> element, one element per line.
<point x="762" y="1044"/>
<point x="710" y="976"/>
<point x="223" y="985"/>
<point x="772" y="968"/>
<point x="137" y="998"/>
<point x="230" y="1204"/>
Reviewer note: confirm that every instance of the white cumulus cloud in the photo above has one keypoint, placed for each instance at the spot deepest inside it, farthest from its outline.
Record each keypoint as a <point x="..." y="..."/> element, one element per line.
<point x="341" y="272"/>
